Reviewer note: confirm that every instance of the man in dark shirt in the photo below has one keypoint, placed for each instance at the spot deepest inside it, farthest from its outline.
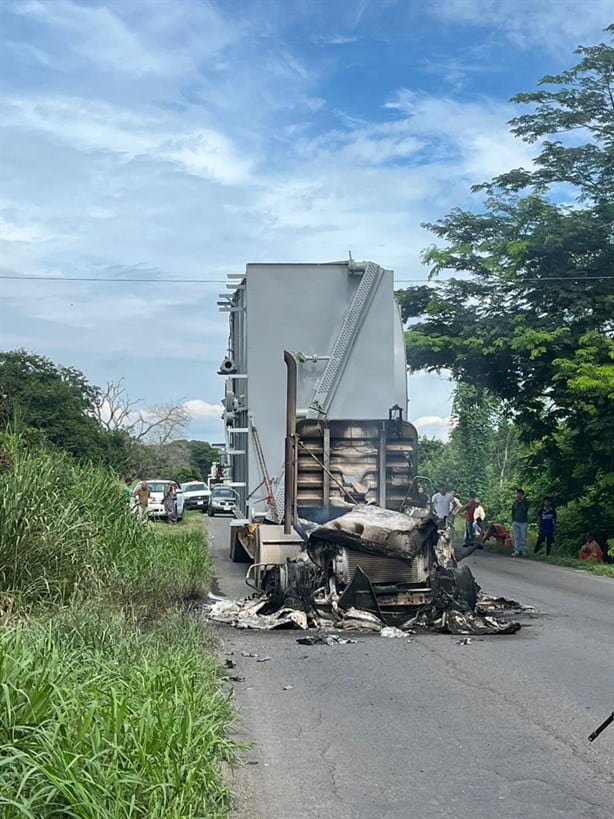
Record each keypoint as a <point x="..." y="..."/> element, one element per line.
<point x="546" y="525"/>
<point x="520" y="523"/>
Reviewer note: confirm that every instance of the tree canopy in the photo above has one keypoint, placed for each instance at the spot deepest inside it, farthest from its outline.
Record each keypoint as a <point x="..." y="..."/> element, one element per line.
<point x="58" y="401"/>
<point x="57" y="405"/>
<point x="528" y="309"/>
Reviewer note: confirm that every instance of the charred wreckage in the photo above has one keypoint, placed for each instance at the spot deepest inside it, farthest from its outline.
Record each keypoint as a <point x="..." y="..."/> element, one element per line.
<point x="370" y="568"/>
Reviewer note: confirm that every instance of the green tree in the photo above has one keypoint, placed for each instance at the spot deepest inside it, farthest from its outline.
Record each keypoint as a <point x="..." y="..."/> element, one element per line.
<point x="463" y="461"/>
<point x="530" y="315"/>
<point x="202" y="455"/>
<point x="471" y="438"/>
<point x="58" y="401"/>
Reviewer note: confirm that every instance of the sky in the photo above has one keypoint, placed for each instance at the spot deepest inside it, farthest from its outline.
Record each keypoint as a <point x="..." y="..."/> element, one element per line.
<point x="144" y="143"/>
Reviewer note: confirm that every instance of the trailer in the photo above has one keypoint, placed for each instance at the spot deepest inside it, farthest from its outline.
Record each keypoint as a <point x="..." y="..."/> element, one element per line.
<point x="323" y="461"/>
<point x="314" y="403"/>
<point x="340" y="324"/>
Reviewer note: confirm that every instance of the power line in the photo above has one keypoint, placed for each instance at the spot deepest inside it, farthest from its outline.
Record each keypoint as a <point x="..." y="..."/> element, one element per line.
<point x="112" y="281"/>
<point x="225" y="281"/>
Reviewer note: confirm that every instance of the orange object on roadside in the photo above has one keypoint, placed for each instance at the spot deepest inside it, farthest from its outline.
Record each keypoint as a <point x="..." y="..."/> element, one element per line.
<point x="590" y="550"/>
<point x="500" y="533"/>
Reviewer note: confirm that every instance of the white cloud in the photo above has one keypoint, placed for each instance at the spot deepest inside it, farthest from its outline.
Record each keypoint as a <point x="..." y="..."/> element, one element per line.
<point x="432" y="421"/>
<point x="339" y="39"/>
<point x="15" y="230"/>
<point x="99" y="127"/>
<point x="471" y="138"/>
<point x="527" y="24"/>
<point x="96" y="34"/>
<point x="200" y="409"/>
<point x="433" y="426"/>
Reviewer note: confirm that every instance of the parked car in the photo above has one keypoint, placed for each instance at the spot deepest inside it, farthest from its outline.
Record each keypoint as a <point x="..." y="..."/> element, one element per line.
<point x="155" y="507"/>
<point x="196" y="495"/>
<point x="223" y="499"/>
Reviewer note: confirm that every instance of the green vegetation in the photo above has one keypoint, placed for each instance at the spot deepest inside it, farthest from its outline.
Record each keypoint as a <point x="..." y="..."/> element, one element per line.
<point x="603" y="569"/>
<point x="526" y="325"/>
<point x="102" y="720"/>
<point x="112" y="703"/>
<point x="65" y="535"/>
<point x="57" y="406"/>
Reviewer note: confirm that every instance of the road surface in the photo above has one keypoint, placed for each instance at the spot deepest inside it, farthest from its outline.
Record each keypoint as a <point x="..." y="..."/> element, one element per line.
<point x="428" y="727"/>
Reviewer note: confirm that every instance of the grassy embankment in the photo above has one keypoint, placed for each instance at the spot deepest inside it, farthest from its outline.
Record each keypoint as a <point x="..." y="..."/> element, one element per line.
<point x="604" y="569"/>
<point x="110" y="699"/>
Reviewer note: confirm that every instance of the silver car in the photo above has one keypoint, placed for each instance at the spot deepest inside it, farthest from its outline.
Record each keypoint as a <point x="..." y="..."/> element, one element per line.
<point x="223" y="499"/>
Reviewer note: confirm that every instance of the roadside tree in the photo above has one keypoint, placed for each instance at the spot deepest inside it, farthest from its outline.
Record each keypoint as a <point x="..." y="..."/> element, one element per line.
<point x="529" y="314"/>
<point x="59" y="403"/>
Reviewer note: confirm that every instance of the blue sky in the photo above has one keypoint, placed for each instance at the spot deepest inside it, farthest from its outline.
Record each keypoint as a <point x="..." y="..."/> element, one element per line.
<point x="181" y="139"/>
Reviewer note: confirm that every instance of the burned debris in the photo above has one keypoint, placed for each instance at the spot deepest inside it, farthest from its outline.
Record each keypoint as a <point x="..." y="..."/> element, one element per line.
<point x="368" y="569"/>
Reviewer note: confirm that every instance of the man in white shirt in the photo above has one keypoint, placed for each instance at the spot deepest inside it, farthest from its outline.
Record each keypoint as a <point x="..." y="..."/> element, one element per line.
<point x="446" y="505"/>
<point x="441" y="501"/>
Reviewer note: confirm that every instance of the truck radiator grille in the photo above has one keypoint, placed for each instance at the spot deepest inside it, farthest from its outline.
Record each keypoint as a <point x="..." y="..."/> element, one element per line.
<point x="385" y="569"/>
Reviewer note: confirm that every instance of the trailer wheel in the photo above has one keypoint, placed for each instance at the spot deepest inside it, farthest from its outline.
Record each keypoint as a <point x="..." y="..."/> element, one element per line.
<point x="237" y="552"/>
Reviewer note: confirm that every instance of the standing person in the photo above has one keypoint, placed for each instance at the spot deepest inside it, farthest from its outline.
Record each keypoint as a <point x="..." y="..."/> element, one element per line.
<point x="170" y="502"/>
<point x="142" y="493"/>
<point x="591" y="550"/>
<point x="546" y="526"/>
<point x="455" y="505"/>
<point x="127" y="491"/>
<point x="520" y="523"/>
<point x="479" y="516"/>
<point x="479" y="511"/>
<point x="441" y="502"/>
<point x="470" y="508"/>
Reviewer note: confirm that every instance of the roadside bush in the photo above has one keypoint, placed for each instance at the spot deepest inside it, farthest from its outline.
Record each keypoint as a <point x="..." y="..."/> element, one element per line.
<point x="102" y="720"/>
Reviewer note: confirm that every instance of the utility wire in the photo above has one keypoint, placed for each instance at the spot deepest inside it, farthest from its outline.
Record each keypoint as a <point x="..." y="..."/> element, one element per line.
<point x="226" y="281"/>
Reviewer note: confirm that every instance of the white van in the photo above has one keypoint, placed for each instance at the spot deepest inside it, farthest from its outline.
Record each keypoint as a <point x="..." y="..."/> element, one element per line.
<point x="155" y="507"/>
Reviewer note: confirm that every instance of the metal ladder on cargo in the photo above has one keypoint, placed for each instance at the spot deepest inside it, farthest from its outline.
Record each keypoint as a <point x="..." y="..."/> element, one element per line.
<point x="346" y="337"/>
<point x="266" y="478"/>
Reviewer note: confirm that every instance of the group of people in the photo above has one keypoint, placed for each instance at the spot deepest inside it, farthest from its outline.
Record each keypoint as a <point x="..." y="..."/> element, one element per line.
<point x="446" y="506"/>
<point x="546" y="530"/>
<point x="142" y="493"/>
<point x="546" y="524"/>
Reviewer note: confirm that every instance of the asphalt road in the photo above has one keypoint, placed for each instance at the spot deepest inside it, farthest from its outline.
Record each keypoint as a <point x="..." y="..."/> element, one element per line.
<point x="427" y="727"/>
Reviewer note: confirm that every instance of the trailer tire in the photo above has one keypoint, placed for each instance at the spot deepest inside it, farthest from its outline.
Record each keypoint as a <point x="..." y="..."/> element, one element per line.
<point x="237" y="552"/>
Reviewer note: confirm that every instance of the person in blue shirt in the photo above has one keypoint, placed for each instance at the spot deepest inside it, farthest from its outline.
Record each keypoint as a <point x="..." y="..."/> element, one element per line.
<point x="546" y="526"/>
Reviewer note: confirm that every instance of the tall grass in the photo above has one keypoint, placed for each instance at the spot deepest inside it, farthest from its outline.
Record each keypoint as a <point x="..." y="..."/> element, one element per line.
<point x="65" y="534"/>
<point x="101" y="720"/>
<point x="111" y="701"/>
